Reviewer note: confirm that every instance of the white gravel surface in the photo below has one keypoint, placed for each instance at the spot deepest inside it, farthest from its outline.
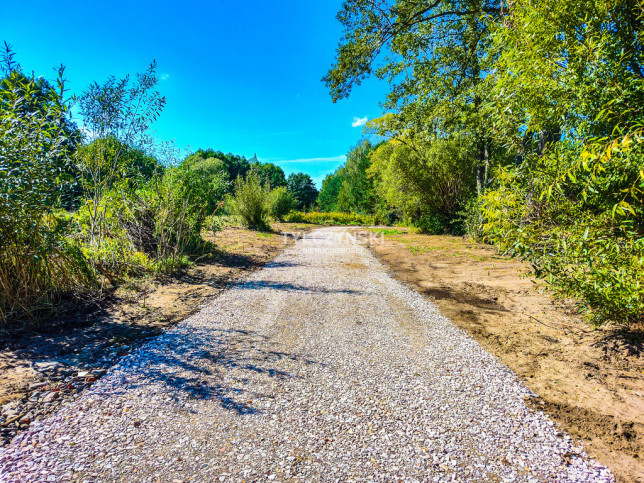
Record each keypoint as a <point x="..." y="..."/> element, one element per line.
<point x="320" y="367"/>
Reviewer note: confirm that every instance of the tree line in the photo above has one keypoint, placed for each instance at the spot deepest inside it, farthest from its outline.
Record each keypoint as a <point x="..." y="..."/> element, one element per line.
<point x="518" y="122"/>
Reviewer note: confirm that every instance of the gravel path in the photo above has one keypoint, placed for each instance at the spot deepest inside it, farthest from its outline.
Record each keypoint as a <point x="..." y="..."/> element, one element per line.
<point x="320" y="367"/>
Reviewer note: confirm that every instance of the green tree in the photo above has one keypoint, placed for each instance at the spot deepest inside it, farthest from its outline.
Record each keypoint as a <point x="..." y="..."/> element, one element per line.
<point x="328" y="197"/>
<point x="429" y="184"/>
<point x="281" y="202"/>
<point x="301" y="186"/>
<point x="233" y="165"/>
<point x="271" y="174"/>
<point x="134" y="163"/>
<point x="39" y="96"/>
<point x="357" y="191"/>
<point x="435" y="55"/>
<point x="568" y="95"/>
<point x="575" y="69"/>
<point x="208" y="179"/>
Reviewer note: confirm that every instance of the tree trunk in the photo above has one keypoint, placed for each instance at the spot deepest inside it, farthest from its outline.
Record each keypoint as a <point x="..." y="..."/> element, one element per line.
<point x="482" y="170"/>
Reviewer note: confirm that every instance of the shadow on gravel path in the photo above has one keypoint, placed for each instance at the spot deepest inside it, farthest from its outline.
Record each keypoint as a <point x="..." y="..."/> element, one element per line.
<point x="263" y="284"/>
<point x="212" y="364"/>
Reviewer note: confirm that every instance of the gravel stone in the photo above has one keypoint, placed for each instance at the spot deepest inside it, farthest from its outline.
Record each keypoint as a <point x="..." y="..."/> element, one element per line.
<point x="320" y="367"/>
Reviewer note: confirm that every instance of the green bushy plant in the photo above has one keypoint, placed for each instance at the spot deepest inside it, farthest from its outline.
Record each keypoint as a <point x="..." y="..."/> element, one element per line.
<point x="213" y="223"/>
<point x="38" y="259"/>
<point x="179" y="215"/>
<point x="580" y="223"/>
<point x="147" y="229"/>
<point x="120" y="254"/>
<point x="250" y="203"/>
<point x="117" y="115"/>
<point x="432" y="224"/>
<point x="208" y="181"/>
<point x="472" y="219"/>
<point x="281" y="203"/>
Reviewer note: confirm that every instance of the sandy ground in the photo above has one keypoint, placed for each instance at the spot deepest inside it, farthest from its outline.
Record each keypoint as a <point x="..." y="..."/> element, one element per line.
<point x="88" y="338"/>
<point x="590" y="381"/>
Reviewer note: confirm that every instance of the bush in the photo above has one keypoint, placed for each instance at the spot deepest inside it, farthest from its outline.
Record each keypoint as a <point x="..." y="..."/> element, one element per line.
<point x="207" y="180"/>
<point x="385" y="216"/>
<point x="178" y="215"/>
<point x="106" y="160"/>
<point x="579" y="223"/>
<point x="472" y="220"/>
<point x="136" y="217"/>
<point x="281" y="202"/>
<point x="432" y="224"/>
<point x="250" y="202"/>
<point x="34" y="272"/>
<point x="148" y="229"/>
<point x="213" y="223"/>
<point x="118" y="252"/>
<point x="38" y="259"/>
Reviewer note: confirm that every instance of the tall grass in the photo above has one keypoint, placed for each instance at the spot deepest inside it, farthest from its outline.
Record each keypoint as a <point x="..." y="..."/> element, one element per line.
<point x="33" y="274"/>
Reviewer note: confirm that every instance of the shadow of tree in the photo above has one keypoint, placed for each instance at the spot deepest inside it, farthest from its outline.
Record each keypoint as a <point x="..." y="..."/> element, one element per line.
<point x="195" y="363"/>
<point x="289" y="287"/>
<point x="282" y="264"/>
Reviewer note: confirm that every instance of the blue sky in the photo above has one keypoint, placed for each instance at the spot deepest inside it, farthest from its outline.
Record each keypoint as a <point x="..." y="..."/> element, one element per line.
<point x="242" y="77"/>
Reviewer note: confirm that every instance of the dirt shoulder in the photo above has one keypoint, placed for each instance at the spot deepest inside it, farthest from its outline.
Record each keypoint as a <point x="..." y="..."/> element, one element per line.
<point x="590" y="381"/>
<point x="39" y="369"/>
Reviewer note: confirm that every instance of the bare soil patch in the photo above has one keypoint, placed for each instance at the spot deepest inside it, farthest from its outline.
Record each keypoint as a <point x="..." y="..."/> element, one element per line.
<point x="590" y="381"/>
<point x="40" y="367"/>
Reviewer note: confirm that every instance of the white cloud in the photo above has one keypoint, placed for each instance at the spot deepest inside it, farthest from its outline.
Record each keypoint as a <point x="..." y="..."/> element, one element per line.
<point x="165" y="76"/>
<point x="357" y="122"/>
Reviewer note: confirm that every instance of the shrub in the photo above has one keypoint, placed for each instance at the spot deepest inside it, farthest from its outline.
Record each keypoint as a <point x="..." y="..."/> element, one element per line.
<point x="250" y="202"/>
<point x="106" y="160"/>
<point x="385" y="216"/>
<point x="432" y="224"/>
<point x="34" y="272"/>
<point x="213" y="223"/>
<point x="281" y="203"/>
<point x="148" y="229"/>
<point x="207" y="179"/>
<point x="117" y="115"/>
<point x="38" y="260"/>
<point x="472" y="220"/>
<point x="177" y="214"/>
<point x="579" y="223"/>
<point x="120" y="251"/>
